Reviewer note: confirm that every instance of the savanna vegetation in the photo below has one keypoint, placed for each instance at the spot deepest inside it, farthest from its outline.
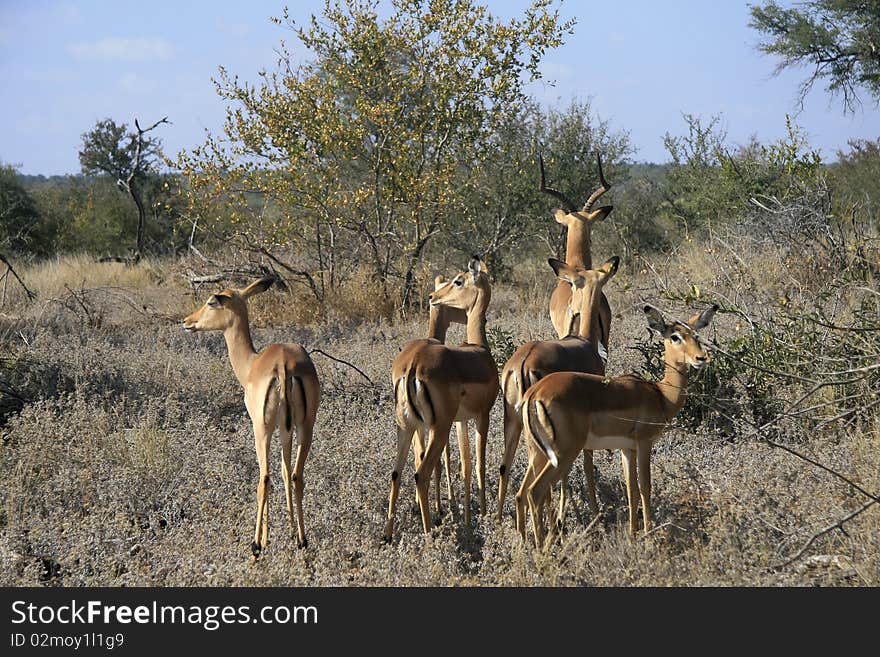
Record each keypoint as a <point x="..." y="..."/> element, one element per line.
<point x="404" y="145"/>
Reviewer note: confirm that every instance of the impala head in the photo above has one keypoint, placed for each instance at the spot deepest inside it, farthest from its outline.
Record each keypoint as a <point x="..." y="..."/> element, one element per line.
<point x="464" y="289"/>
<point x="221" y="309"/>
<point x="569" y="215"/>
<point x="584" y="281"/>
<point x="680" y="337"/>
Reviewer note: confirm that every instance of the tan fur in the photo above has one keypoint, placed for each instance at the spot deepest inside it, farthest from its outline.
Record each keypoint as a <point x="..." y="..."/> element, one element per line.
<point x="537" y="359"/>
<point x="278" y="381"/>
<point x="436" y="385"/>
<point x="567" y="412"/>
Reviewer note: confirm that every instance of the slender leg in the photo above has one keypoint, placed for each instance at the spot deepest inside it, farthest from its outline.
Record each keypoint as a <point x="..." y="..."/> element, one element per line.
<point x="448" y="462"/>
<point x="521" y="498"/>
<point x="628" y="458"/>
<point x="261" y="531"/>
<point x="464" y="451"/>
<point x="482" y="439"/>
<point x="438" y="438"/>
<point x="560" y="514"/>
<point x="304" y="435"/>
<point x="418" y="443"/>
<point x="512" y="430"/>
<point x="644" y="469"/>
<point x="404" y="441"/>
<point x="538" y="493"/>
<point x="590" y="476"/>
<point x="286" y="444"/>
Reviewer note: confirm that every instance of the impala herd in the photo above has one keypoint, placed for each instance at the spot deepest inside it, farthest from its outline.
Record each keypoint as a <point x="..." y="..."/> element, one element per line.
<point x="555" y="391"/>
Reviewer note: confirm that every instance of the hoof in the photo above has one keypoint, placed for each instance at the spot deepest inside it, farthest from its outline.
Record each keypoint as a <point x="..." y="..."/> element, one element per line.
<point x="386" y="540"/>
<point x="256" y="550"/>
<point x="302" y="544"/>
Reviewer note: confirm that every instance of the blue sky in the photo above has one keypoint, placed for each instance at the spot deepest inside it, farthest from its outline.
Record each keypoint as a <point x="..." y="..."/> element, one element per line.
<point x="66" y="65"/>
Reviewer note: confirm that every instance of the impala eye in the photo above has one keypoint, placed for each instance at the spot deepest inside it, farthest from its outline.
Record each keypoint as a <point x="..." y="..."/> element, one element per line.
<point x="675" y="337"/>
<point x="213" y="303"/>
<point x="458" y="282"/>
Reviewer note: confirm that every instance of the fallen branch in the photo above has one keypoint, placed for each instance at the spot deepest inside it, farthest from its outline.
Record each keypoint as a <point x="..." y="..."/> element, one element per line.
<point x="344" y="362"/>
<point x="10" y="270"/>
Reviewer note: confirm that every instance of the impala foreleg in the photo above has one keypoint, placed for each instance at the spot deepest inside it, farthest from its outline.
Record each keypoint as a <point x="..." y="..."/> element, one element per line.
<point x="644" y="472"/>
<point x="590" y="477"/>
<point x="628" y="459"/>
<point x="482" y="439"/>
<point x="464" y="452"/>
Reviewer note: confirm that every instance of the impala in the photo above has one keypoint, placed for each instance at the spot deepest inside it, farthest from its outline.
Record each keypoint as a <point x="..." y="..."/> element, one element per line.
<point x="579" y="225"/>
<point x="436" y="385"/>
<point x="567" y="412"/>
<point x="281" y="391"/>
<point x="535" y="360"/>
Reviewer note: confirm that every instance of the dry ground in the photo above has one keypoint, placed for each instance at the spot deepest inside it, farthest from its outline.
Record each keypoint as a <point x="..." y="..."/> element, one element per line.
<point x="133" y="461"/>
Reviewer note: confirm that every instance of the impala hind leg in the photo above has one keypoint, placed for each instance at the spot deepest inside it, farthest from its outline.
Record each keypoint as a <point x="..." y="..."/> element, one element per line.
<point x="438" y="438"/>
<point x="286" y="473"/>
<point x="628" y="459"/>
<point x="512" y="429"/>
<point x="304" y="438"/>
<point x="262" y="438"/>
<point x="404" y="440"/>
<point x="538" y="492"/>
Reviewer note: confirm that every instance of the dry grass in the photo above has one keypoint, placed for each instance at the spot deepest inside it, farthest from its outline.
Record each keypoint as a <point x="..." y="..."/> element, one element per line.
<point x="133" y="464"/>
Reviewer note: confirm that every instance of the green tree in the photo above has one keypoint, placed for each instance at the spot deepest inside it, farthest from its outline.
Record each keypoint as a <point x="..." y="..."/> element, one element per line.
<point x="128" y="157"/>
<point x="366" y="152"/>
<point x="21" y="229"/>
<point x="839" y="39"/>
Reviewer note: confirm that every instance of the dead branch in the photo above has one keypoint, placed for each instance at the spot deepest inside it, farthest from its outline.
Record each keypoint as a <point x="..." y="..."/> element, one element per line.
<point x="10" y="270"/>
<point x="344" y="362"/>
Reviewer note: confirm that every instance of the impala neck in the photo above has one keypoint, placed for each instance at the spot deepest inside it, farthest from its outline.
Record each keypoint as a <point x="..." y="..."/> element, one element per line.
<point x="577" y="244"/>
<point x="673" y="387"/>
<point x="240" y="346"/>
<point x="589" y="324"/>
<point x="476" y="319"/>
<point x="438" y="323"/>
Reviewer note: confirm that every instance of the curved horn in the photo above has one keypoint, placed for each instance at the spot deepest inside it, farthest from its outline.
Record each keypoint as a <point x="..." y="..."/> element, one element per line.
<point x="569" y="207"/>
<point x="604" y="187"/>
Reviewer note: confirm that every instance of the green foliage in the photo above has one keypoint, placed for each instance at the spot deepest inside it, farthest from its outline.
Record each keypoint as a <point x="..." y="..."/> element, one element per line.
<point x="708" y="185"/>
<point x="365" y="153"/>
<point x="837" y="39"/>
<point x="109" y="149"/>
<point x="501" y="344"/>
<point x="21" y="229"/>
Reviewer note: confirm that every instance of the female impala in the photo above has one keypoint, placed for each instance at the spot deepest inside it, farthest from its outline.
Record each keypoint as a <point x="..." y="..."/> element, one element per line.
<point x="567" y="412"/>
<point x="537" y="359"/>
<point x="436" y="385"/>
<point x="280" y="390"/>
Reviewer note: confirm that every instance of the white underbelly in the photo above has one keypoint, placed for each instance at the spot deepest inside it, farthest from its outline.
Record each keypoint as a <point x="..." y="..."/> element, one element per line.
<point x="610" y="442"/>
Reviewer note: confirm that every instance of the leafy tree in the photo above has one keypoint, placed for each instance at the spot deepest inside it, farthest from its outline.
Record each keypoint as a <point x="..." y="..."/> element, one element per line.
<point x="20" y="220"/>
<point x="128" y="157"/>
<point x="840" y="39"/>
<point x="366" y="153"/>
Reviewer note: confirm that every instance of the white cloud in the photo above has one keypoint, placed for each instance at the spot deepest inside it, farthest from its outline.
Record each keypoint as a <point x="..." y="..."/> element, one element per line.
<point x="137" y="49"/>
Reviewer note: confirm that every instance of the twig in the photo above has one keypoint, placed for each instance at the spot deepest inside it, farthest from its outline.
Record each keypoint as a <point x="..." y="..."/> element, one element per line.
<point x="344" y="362"/>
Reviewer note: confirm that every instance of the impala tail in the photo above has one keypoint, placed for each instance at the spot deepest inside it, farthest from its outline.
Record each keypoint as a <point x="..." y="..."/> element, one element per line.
<point x="539" y="426"/>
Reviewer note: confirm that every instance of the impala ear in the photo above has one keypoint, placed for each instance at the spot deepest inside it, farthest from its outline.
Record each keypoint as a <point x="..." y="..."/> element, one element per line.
<point x="476" y="266"/>
<point x="566" y="272"/>
<point x="609" y="267"/>
<point x="656" y="321"/>
<point x="600" y="213"/>
<point x="560" y="215"/>
<point x="258" y="286"/>
<point x="439" y="281"/>
<point x="702" y="320"/>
